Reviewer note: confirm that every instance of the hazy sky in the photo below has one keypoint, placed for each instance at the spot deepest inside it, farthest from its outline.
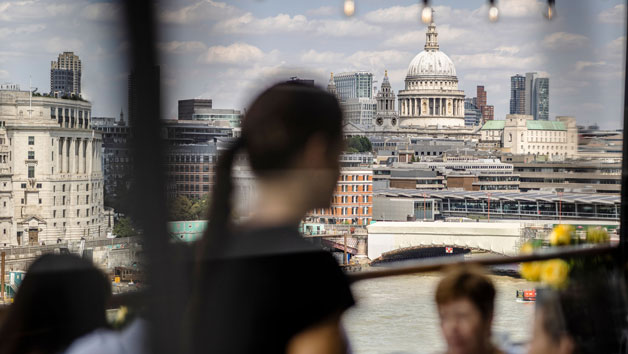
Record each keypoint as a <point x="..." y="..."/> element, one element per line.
<point x="227" y="50"/>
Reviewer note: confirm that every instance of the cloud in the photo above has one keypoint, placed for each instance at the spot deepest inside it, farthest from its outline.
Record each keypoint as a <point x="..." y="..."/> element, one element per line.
<point x="615" y="15"/>
<point x="507" y="50"/>
<point x="182" y="47"/>
<point x="205" y="10"/>
<point x="248" y="24"/>
<point x="4" y="74"/>
<point x="394" y="14"/>
<point x="345" y="28"/>
<point x="617" y="46"/>
<point x="102" y="11"/>
<point x="323" y="11"/>
<point x="20" y="30"/>
<point x="325" y="57"/>
<point x="495" y="60"/>
<point x="565" y="40"/>
<point x="236" y="53"/>
<point x="520" y="8"/>
<point x="584" y="65"/>
<point x="58" y="44"/>
<point x="29" y="10"/>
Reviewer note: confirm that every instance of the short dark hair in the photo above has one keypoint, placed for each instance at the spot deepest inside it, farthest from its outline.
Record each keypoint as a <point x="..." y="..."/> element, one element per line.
<point x="467" y="283"/>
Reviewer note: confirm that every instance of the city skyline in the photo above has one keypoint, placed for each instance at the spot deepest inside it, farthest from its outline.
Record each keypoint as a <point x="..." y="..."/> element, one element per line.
<point x="234" y="45"/>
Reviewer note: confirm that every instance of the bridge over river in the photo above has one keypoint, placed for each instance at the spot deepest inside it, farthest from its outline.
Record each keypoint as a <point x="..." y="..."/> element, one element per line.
<point x="395" y="237"/>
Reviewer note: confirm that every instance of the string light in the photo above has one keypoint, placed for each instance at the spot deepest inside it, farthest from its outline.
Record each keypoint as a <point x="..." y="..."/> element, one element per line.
<point x="550" y="9"/>
<point x="493" y="11"/>
<point x="426" y="13"/>
<point x="349" y="7"/>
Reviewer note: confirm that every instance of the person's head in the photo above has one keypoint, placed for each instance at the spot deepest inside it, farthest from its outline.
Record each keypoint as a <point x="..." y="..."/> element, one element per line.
<point x="550" y="333"/>
<point x="586" y="317"/>
<point x="465" y="299"/>
<point x="62" y="298"/>
<point x="292" y="137"/>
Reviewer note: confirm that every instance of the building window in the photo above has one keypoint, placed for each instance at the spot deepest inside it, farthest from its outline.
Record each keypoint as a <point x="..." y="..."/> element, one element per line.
<point x="63" y="214"/>
<point x="31" y="155"/>
<point x="23" y="185"/>
<point x="38" y="185"/>
<point x="31" y="140"/>
<point x="31" y="171"/>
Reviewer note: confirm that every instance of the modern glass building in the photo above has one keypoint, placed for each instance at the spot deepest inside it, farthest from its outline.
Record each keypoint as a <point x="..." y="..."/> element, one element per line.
<point x="358" y="84"/>
<point x="541" y="99"/>
<point x="472" y="114"/>
<point x="517" y="94"/>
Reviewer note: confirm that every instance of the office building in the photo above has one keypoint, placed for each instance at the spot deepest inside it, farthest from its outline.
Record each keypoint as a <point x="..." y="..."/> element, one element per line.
<point x="352" y="202"/>
<point x="117" y="161"/>
<point x="65" y="75"/>
<point x="521" y="135"/>
<point x="517" y="94"/>
<point x="51" y="180"/>
<point x="187" y="108"/>
<point x="358" y="84"/>
<point x="537" y="96"/>
<point x="472" y="114"/>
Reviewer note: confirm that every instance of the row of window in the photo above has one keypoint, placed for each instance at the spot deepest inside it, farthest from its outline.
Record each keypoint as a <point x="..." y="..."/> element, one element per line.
<point x="356" y="188"/>
<point x="355" y="177"/>
<point x="354" y="199"/>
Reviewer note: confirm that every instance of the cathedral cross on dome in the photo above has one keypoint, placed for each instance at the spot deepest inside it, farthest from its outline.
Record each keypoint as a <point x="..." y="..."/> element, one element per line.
<point x="431" y="36"/>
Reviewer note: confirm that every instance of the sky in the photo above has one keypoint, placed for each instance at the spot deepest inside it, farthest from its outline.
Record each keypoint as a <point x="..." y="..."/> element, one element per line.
<point x="230" y="50"/>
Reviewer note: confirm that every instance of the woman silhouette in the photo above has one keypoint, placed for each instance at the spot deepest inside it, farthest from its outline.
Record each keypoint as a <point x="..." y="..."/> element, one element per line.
<point x="262" y="287"/>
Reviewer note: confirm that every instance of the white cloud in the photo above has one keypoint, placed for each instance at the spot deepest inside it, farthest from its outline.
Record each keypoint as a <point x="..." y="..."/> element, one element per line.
<point x="495" y="60"/>
<point x="394" y="14"/>
<point x="248" y="24"/>
<point x="236" y="53"/>
<point x="345" y="28"/>
<point x="102" y="11"/>
<point x="20" y="30"/>
<point x="565" y="40"/>
<point x="614" y="15"/>
<point x="4" y="74"/>
<point x="323" y="11"/>
<point x="29" y="10"/>
<point x="204" y="10"/>
<point x="325" y="57"/>
<point x="616" y="47"/>
<point x="182" y="47"/>
<point x="507" y="50"/>
<point x="519" y="8"/>
<point x="585" y="65"/>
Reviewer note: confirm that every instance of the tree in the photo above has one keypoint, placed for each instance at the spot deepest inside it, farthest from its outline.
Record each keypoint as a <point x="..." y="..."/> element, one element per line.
<point x="183" y="208"/>
<point x="124" y="228"/>
<point x="359" y="144"/>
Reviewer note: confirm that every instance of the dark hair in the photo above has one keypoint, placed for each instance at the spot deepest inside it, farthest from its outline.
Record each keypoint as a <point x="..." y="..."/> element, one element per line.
<point x="277" y="126"/>
<point x="62" y="298"/>
<point x="591" y="311"/>
<point x="467" y="283"/>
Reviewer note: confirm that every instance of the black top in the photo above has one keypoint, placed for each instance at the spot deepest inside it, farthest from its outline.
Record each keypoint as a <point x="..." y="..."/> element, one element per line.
<point x="267" y="285"/>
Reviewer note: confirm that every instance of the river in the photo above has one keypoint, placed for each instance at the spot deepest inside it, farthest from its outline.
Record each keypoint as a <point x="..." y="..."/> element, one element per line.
<point x="398" y="314"/>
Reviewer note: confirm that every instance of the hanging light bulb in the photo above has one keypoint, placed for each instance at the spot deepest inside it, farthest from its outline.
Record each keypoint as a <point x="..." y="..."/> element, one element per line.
<point x="550" y="9"/>
<point x="349" y="7"/>
<point x="493" y="11"/>
<point x="426" y="13"/>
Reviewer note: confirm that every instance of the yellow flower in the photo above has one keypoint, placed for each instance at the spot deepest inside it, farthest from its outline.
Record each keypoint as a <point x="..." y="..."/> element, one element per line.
<point x="597" y="235"/>
<point x="121" y="315"/>
<point x="527" y="248"/>
<point x="555" y="273"/>
<point x="531" y="271"/>
<point x="561" y="235"/>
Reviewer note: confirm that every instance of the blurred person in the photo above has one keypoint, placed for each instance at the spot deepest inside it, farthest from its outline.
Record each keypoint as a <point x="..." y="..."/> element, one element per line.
<point x="465" y="298"/>
<point x="586" y="317"/>
<point x="262" y="287"/>
<point x="61" y="298"/>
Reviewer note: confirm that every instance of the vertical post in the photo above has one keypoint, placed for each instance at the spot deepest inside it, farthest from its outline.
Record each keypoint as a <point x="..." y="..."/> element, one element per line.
<point x="344" y="259"/>
<point x="424" y="207"/>
<point x="489" y="206"/>
<point x="560" y="206"/>
<point x="2" y="262"/>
